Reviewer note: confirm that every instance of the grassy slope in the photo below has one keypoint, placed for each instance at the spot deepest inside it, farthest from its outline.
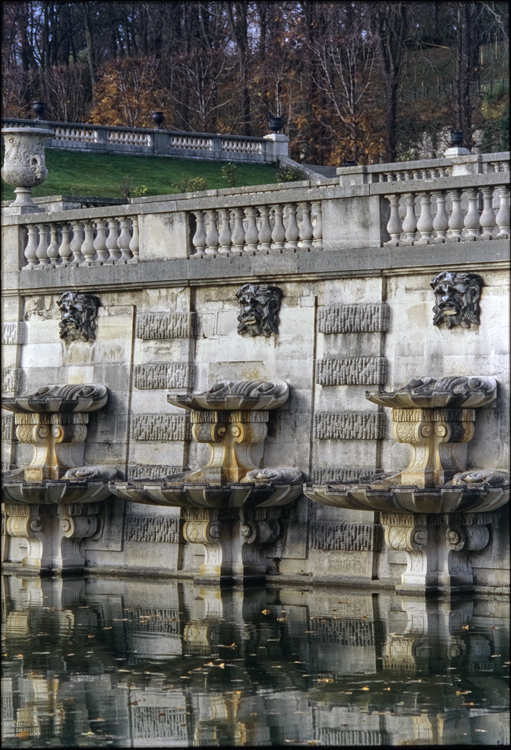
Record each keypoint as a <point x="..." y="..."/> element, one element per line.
<point x="100" y="175"/>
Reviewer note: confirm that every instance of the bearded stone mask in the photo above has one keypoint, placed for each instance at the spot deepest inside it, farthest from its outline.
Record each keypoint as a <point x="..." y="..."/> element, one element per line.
<point x="456" y="299"/>
<point x="260" y="305"/>
<point x="78" y="316"/>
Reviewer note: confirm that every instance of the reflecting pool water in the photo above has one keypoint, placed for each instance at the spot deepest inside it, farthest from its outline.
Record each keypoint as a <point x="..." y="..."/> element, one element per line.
<point x="123" y="663"/>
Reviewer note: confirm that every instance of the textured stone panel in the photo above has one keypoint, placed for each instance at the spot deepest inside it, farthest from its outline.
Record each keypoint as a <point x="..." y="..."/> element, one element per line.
<point x="8" y="427"/>
<point x="155" y="722"/>
<point x="366" y="318"/>
<point x="321" y="476"/>
<point x="180" y="325"/>
<point x="354" y="537"/>
<point x="345" y="631"/>
<point x="353" y="737"/>
<point x="12" y="380"/>
<point x="152" y="471"/>
<point x="369" y="425"/>
<point x="162" y="375"/>
<point x="13" y="333"/>
<point x="151" y="529"/>
<point x="352" y="371"/>
<point x="160" y="427"/>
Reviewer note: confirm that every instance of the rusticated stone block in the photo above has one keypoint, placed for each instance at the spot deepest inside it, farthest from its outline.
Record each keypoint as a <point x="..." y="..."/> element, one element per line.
<point x="152" y="471"/>
<point x="160" y="427"/>
<point x="8" y="427"/>
<point x="368" y="425"/>
<point x="354" y="537"/>
<point x="150" y="722"/>
<point x="163" y="375"/>
<point x="151" y="529"/>
<point x="352" y="737"/>
<point x="363" y="318"/>
<point x="179" y="325"/>
<point x="322" y="476"/>
<point x="352" y="371"/>
<point x="345" y="631"/>
<point x="12" y="380"/>
<point x="13" y="333"/>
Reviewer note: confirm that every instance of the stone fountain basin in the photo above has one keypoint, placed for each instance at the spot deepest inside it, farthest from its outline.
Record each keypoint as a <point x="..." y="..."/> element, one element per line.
<point x="448" y="393"/>
<point x="59" y="399"/>
<point x="54" y="492"/>
<point x="245" y="495"/>
<point x="244" y="395"/>
<point x="412" y="499"/>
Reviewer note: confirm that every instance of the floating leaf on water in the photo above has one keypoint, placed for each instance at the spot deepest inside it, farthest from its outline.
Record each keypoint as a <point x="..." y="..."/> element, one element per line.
<point x="268" y="612"/>
<point x="464" y="627"/>
<point x="364" y="688"/>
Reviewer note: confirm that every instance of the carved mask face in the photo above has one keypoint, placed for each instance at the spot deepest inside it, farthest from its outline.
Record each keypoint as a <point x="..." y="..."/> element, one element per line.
<point x="457" y="299"/>
<point x="78" y="313"/>
<point x="260" y="306"/>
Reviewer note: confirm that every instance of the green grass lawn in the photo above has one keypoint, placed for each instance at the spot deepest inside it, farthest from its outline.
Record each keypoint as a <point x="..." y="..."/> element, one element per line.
<point x="100" y="175"/>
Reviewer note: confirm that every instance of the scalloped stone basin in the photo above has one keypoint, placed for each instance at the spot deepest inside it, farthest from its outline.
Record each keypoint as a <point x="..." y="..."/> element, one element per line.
<point x="244" y="395"/>
<point x="175" y="494"/>
<point x="87" y="484"/>
<point x="59" y="399"/>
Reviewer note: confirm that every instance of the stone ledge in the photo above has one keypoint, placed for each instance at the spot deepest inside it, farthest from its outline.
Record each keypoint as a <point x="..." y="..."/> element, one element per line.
<point x="240" y="268"/>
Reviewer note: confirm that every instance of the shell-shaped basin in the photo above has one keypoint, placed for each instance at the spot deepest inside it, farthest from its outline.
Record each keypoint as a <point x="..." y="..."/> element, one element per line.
<point x="59" y="399"/>
<point x="84" y="484"/>
<point x="447" y="393"/>
<point x="242" y="395"/>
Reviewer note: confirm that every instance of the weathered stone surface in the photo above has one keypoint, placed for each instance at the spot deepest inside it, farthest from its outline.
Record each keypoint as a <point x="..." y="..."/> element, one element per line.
<point x="12" y="380"/>
<point x="162" y="375"/>
<point x="151" y="529"/>
<point x="353" y="318"/>
<point x="349" y="426"/>
<point x="352" y="371"/>
<point x="8" y="427"/>
<point x="180" y="325"/>
<point x="13" y="333"/>
<point x="161" y="427"/>
<point x="322" y="476"/>
<point x="152" y="471"/>
<point x="345" y="536"/>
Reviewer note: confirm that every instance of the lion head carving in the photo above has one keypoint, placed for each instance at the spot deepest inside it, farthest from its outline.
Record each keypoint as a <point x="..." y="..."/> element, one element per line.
<point x="79" y="312"/>
<point x="260" y="305"/>
<point x="456" y="299"/>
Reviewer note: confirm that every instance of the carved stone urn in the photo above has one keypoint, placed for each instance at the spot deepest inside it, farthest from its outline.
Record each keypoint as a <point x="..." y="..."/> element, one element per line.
<point x="52" y="505"/>
<point x="231" y="506"/>
<point x="24" y="165"/>
<point x="434" y="510"/>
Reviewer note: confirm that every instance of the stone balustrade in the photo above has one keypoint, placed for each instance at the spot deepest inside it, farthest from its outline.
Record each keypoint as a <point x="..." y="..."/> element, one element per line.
<point x="450" y="214"/>
<point x="82" y="242"/>
<point x="143" y="141"/>
<point x="264" y="228"/>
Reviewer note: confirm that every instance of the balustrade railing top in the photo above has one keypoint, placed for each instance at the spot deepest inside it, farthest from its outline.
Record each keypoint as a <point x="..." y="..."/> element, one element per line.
<point x="147" y="141"/>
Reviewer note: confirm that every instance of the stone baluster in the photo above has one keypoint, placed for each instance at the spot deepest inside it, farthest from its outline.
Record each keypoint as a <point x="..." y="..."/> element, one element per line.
<point x="292" y="232"/>
<point x="65" y="247"/>
<point x="278" y="236"/>
<point x="134" y="242"/>
<point x="111" y="240"/>
<point x="42" y="247"/>
<point x="487" y="220"/>
<point x="211" y="233"/>
<point x="305" y="242"/>
<point x="264" y="229"/>
<point x="77" y="242"/>
<point x="124" y="240"/>
<point x="472" y="215"/>
<point x="456" y="217"/>
<point x="31" y="248"/>
<point x="224" y="237"/>
<point x="425" y="223"/>
<point x="199" y="238"/>
<point x="410" y="220"/>
<point x="394" y="226"/>
<point x="238" y="233"/>
<point x="100" y="241"/>
<point x="251" y="233"/>
<point x="441" y="221"/>
<point x="502" y="217"/>
<point x="317" y="232"/>
<point x="88" y="250"/>
<point x="53" y="248"/>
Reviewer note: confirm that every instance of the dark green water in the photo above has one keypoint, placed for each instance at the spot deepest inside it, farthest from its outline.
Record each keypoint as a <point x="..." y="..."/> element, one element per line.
<point x="98" y="663"/>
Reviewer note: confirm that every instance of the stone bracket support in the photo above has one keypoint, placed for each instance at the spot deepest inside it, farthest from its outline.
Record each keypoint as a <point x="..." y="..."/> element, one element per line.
<point x="236" y="542"/>
<point x="438" y="548"/>
<point x="54" y="535"/>
<point x="58" y="442"/>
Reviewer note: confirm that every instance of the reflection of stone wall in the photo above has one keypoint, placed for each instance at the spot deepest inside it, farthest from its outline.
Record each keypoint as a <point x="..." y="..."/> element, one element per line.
<point x="155" y="722"/>
<point x="353" y="737"/>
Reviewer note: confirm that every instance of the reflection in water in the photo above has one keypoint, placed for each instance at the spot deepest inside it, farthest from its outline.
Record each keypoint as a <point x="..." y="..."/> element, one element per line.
<point x="97" y="663"/>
